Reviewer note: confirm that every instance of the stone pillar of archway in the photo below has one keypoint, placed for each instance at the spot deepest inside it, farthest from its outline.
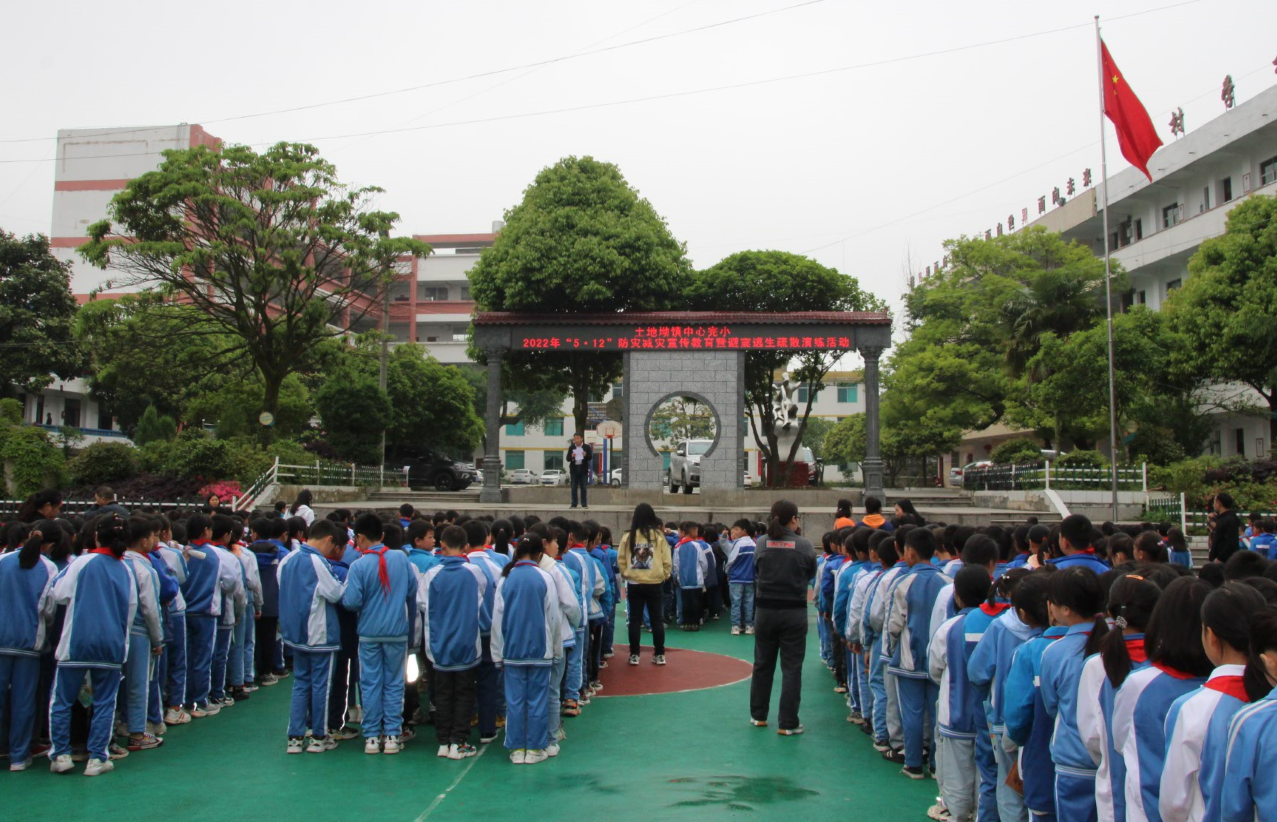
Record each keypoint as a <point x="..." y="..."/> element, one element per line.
<point x="714" y="377"/>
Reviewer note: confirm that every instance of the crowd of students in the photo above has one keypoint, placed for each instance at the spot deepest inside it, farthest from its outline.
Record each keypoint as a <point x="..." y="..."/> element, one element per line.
<point x="162" y="620"/>
<point x="1065" y="672"/>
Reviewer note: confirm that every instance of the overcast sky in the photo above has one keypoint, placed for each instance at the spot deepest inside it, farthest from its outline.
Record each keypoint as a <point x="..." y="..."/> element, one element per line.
<point x="858" y="168"/>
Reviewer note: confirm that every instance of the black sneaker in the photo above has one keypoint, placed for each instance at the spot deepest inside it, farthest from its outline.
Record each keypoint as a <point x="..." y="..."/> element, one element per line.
<point x="897" y="757"/>
<point x="913" y="773"/>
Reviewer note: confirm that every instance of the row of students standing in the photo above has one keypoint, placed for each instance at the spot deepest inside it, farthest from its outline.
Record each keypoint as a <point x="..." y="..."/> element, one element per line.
<point x="1064" y="689"/>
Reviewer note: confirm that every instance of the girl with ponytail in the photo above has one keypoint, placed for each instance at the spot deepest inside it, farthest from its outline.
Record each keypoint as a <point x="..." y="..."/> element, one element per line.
<point x="1177" y="665"/>
<point x="26" y="582"/>
<point x="1249" y="791"/>
<point x="101" y="598"/>
<point x="1193" y="779"/>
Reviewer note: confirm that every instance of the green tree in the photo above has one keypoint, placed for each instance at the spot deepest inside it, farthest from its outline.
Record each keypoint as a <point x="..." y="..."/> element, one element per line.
<point x="778" y="281"/>
<point x="275" y="252"/>
<point x="582" y="240"/>
<point x="814" y="436"/>
<point x="682" y="418"/>
<point x="37" y="310"/>
<point x="234" y="406"/>
<point x="432" y="404"/>
<point x="354" y="412"/>
<point x="154" y="428"/>
<point x="846" y="441"/>
<point x="1227" y="308"/>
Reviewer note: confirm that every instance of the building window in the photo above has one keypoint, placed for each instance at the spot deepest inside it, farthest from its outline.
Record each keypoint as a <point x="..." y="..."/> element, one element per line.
<point x="1206" y="198"/>
<point x="1141" y="298"/>
<point x="434" y="293"/>
<point x="1239" y="437"/>
<point x="554" y="462"/>
<point x="1172" y="285"/>
<point x="1139" y="230"/>
<point x="1226" y="189"/>
<point x="804" y="391"/>
<point x="465" y="292"/>
<point x="104" y="419"/>
<point x="514" y="429"/>
<point x="71" y="413"/>
<point x="554" y="427"/>
<point x="848" y="393"/>
<point x="1170" y="215"/>
<point x="1268" y="172"/>
<point x="618" y="390"/>
<point x="513" y="460"/>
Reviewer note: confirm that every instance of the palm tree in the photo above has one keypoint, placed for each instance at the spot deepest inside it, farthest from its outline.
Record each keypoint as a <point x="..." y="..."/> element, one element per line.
<point x="1057" y="300"/>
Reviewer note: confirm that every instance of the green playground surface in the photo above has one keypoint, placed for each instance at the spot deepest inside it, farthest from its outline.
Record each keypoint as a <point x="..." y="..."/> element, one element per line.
<point x="674" y="756"/>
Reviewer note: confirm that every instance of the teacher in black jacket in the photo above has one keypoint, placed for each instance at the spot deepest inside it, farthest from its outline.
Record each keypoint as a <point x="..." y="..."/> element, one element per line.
<point x="580" y="461"/>
<point x="784" y="565"/>
<point x="1225" y="538"/>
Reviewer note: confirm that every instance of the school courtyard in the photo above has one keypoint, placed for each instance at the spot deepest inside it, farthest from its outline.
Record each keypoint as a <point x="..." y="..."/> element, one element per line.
<point x="685" y="753"/>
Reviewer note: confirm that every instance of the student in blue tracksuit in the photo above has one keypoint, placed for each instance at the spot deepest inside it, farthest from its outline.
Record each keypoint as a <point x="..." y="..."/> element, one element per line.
<point x="145" y="633"/>
<point x="573" y="615"/>
<point x="578" y="559"/>
<point x="101" y="598"/>
<point x="690" y="569"/>
<point x="420" y="543"/>
<point x="740" y="576"/>
<point x="452" y="619"/>
<point x="1192" y="780"/>
<point x="406" y="514"/>
<point x="209" y="590"/>
<point x="1027" y="722"/>
<point x="1265" y="541"/>
<point x="988" y="667"/>
<point x="382" y="588"/>
<point x="1131" y="600"/>
<point x="269" y="550"/>
<point x="525" y="639"/>
<point x="1250" y="792"/>
<point x="1177" y="665"/>
<point x="959" y="713"/>
<point x="308" y="595"/>
<point x="1075" y="543"/>
<point x="909" y="628"/>
<point x="826" y="585"/>
<point x="822" y="628"/>
<point x="26" y="614"/>
<point x="844" y="581"/>
<point x="486" y="679"/>
<point x="876" y="687"/>
<point x="856" y="640"/>
<point x="234" y="605"/>
<point x="607" y="601"/>
<point x="169" y="594"/>
<point x="172" y="552"/>
<point x="1075" y="600"/>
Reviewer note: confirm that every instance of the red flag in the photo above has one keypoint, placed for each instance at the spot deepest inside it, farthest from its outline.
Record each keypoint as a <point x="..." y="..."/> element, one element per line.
<point x="1136" y="136"/>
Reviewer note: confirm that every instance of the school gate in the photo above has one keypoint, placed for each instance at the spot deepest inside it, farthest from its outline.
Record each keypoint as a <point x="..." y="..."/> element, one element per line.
<point x="696" y="354"/>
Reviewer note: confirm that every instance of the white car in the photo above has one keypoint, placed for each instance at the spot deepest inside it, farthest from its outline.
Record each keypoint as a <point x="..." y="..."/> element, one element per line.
<point x="554" y="476"/>
<point x="956" y="474"/>
<point x="523" y="476"/>
<point x="615" y="481"/>
<point x="748" y="480"/>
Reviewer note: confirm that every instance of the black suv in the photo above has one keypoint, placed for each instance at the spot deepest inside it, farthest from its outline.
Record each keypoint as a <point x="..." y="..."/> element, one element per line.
<point x="428" y="470"/>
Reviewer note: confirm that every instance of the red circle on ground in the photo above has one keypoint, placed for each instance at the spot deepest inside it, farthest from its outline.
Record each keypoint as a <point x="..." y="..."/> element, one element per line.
<point x="684" y="671"/>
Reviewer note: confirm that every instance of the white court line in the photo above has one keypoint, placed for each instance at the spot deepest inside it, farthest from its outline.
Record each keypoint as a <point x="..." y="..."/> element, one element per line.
<point x="439" y="799"/>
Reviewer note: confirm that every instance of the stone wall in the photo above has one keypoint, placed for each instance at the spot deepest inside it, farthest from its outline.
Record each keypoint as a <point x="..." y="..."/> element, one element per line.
<point x="717" y="378"/>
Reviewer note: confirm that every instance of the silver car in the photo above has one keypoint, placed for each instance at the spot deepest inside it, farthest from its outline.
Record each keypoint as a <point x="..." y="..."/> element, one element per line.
<point x="685" y="465"/>
<point x="554" y="476"/>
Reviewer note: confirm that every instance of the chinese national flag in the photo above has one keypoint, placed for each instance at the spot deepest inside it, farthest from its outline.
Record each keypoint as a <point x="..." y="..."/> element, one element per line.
<point x="1135" y="133"/>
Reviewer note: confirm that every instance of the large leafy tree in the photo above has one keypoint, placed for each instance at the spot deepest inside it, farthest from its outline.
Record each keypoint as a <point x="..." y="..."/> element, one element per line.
<point x="1227" y="308"/>
<point x="778" y="281"/>
<point x="37" y="311"/>
<point x="275" y="252"/>
<point x="582" y="240"/>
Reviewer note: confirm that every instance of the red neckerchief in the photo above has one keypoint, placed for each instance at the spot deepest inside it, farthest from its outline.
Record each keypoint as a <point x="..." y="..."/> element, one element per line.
<point x="526" y="562"/>
<point x="572" y="545"/>
<point x="105" y="552"/>
<point x="382" y="573"/>
<point x="683" y="540"/>
<point x="1171" y="672"/>
<point x="1231" y="685"/>
<point x="1090" y="551"/>
<point x="993" y="609"/>
<point x="1136" y="649"/>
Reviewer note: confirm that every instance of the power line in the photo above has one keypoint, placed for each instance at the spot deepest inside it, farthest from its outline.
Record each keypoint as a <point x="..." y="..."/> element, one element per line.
<point x="479" y="75"/>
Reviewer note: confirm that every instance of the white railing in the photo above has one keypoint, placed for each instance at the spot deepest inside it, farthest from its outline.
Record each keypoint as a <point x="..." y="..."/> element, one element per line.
<point x="1168" y="507"/>
<point x="321" y="473"/>
<point x="1037" y="476"/>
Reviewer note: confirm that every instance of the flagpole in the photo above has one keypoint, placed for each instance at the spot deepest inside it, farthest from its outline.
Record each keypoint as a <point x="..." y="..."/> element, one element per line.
<point x="1108" y="271"/>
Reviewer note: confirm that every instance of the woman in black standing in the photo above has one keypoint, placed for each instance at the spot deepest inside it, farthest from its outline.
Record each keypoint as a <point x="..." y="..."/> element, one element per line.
<point x="784" y="565"/>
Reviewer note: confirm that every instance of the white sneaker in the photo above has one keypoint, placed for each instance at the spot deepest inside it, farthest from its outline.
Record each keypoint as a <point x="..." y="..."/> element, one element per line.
<point x="323" y="743"/>
<point x="20" y="766"/>
<point x="659" y="659"/>
<point x="156" y="728"/>
<point x="296" y="744"/>
<point x="393" y="745"/>
<point x="519" y="757"/>
<point x="207" y="709"/>
<point x="749" y="630"/>
<point x="463" y="751"/>
<point x="735" y="630"/>
<point x="356" y="714"/>
<point x="61" y="764"/>
<point x="173" y="716"/>
<point x="96" y="767"/>
<point x="372" y="745"/>
<point x="268" y="680"/>
<point x="552" y="749"/>
<point x="534" y="757"/>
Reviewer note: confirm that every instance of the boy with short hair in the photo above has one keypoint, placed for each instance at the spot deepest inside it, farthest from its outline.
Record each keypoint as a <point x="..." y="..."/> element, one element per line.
<point x="487" y="681"/>
<point x="452" y="619"/>
<point x="579" y="560"/>
<point x="308" y="596"/>
<point x="406" y="515"/>
<point x="382" y="588"/>
<point x="740" y="576"/>
<point x="690" y="568"/>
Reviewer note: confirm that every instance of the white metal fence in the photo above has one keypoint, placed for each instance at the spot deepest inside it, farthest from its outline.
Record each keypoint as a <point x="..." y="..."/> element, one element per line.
<point x="1038" y="476"/>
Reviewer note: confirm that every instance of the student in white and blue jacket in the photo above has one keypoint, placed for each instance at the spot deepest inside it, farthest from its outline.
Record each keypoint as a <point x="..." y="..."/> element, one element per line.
<point x="382" y="588"/>
<point x="887" y="730"/>
<point x="101" y="598"/>
<point x="1075" y="600"/>
<point x="487" y="679"/>
<point x="740" y="576"/>
<point x="860" y="586"/>
<point x="225" y="532"/>
<point x="308" y="595"/>
<point x="856" y="545"/>
<point x="573" y="616"/>
<point x="26" y="614"/>
<point x="145" y="633"/>
<point x="910" y="629"/>
<point x="690" y="569"/>
<point x="1250" y="792"/>
<point x="525" y="639"/>
<point x="450" y="599"/>
<point x="173" y="660"/>
<point x="209" y="582"/>
<point x="1076" y="534"/>
<point x="959" y="713"/>
<point x="1192" y="783"/>
<point x="1177" y="666"/>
